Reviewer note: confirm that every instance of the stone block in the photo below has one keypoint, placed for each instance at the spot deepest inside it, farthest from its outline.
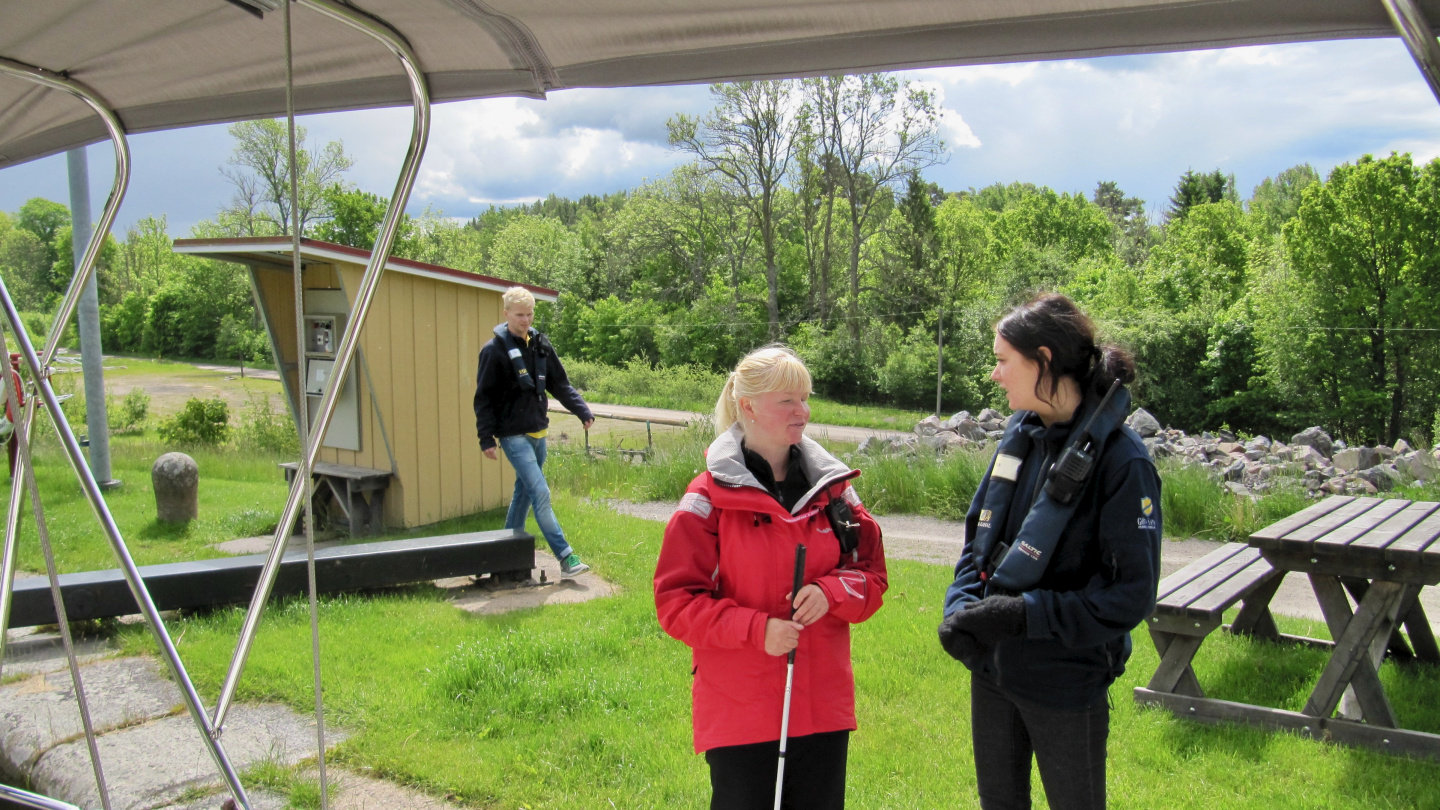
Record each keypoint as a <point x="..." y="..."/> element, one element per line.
<point x="177" y="485"/>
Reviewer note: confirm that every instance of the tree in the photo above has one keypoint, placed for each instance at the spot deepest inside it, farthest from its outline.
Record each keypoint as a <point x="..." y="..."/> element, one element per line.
<point x="1276" y="200"/>
<point x="1199" y="188"/>
<point x="1203" y="258"/>
<point x="1131" y="236"/>
<point x="749" y="138"/>
<point x="877" y="130"/>
<point x="537" y="250"/>
<point x="1364" y="247"/>
<point x="260" y="172"/>
<point x="44" y="218"/>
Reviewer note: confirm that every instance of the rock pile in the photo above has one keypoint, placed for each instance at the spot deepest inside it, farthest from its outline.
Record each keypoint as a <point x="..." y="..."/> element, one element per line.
<point x="1322" y="465"/>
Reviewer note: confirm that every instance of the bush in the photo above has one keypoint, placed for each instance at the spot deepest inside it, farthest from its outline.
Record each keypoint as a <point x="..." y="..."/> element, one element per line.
<point x="127" y="415"/>
<point x="638" y="383"/>
<point x="265" y="430"/>
<point x="201" y="421"/>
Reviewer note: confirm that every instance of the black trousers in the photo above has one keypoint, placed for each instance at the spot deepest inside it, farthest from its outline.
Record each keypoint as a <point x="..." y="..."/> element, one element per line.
<point x="742" y="777"/>
<point x="1069" y="747"/>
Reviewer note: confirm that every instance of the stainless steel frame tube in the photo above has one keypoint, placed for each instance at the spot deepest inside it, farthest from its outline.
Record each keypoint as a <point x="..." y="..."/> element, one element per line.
<point x="25" y="798"/>
<point x="83" y="272"/>
<point x="86" y="267"/>
<point x="419" y="135"/>
<point x="1419" y="37"/>
<point x="91" y="488"/>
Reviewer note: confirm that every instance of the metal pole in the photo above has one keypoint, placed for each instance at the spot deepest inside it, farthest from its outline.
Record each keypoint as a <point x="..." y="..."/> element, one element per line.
<point x="298" y="270"/>
<point x="939" y="360"/>
<point x="91" y="489"/>
<point x="91" y="355"/>
<point x="419" y="135"/>
<point x="1419" y="37"/>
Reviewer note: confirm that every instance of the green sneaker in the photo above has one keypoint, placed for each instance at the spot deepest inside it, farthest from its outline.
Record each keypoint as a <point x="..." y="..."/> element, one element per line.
<point x="571" y="567"/>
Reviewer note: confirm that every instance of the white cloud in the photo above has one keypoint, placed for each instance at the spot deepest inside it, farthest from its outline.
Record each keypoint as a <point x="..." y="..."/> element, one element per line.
<point x="1138" y="120"/>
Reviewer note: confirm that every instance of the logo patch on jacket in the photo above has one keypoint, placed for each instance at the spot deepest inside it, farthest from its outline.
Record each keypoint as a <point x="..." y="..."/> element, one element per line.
<point x="985" y="518"/>
<point x="1147" y="523"/>
<point x="1029" y="550"/>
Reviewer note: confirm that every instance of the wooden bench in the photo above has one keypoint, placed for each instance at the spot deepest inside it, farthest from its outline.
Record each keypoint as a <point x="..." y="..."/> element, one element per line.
<point x="1190" y="605"/>
<point x="358" y="493"/>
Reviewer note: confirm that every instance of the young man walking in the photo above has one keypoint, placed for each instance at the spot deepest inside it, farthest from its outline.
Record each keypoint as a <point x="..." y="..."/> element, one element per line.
<point x="517" y="367"/>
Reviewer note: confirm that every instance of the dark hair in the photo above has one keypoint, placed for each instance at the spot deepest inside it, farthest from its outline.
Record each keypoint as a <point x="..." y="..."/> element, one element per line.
<point x="1053" y="321"/>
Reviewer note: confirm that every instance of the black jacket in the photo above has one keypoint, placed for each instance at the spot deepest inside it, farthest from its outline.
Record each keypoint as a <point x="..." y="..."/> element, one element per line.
<point x="503" y="408"/>
<point x="1099" y="585"/>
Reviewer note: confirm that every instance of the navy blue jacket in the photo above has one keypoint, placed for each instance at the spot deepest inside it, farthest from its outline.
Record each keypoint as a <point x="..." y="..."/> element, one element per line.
<point x="503" y="407"/>
<point x="1100" y="583"/>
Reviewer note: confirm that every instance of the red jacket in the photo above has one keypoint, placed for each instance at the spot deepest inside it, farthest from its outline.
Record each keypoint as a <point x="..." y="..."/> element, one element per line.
<point x="724" y="569"/>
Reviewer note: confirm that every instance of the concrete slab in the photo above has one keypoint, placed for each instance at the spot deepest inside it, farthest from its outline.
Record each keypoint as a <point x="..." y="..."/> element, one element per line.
<point x="156" y="763"/>
<point x="29" y="651"/>
<point x="487" y="597"/>
<point x="40" y="712"/>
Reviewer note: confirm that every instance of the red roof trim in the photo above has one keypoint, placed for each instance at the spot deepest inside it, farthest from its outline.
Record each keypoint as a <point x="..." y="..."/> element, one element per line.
<point x="285" y="242"/>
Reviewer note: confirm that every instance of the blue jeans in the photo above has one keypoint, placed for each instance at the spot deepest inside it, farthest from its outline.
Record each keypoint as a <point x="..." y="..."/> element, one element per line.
<point x="527" y="456"/>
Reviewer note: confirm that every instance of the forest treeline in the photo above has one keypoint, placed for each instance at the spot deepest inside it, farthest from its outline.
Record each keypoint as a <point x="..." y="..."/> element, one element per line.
<point x="804" y="216"/>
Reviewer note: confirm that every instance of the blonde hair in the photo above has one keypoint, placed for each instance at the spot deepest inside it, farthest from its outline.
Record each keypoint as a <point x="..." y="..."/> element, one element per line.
<point x="773" y="368"/>
<point x="517" y="295"/>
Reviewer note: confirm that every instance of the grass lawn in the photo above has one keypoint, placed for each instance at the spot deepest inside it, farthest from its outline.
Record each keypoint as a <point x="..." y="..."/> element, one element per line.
<point x="588" y="705"/>
<point x="240" y="495"/>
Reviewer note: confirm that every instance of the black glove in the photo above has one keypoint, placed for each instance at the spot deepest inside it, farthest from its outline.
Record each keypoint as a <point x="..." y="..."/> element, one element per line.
<point x="959" y="644"/>
<point x="991" y="619"/>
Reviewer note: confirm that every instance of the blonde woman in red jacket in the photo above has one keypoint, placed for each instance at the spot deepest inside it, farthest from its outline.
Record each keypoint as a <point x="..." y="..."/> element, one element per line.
<point x="722" y="586"/>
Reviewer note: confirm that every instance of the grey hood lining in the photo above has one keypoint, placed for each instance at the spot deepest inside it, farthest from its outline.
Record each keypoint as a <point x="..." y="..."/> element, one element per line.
<point x="726" y="463"/>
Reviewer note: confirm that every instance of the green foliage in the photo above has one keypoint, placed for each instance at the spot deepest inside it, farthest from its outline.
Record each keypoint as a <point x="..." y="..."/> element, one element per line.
<point x="691" y="388"/>
<point x="1365" y="252"/>
<point x="200" y="422"/>
<point x="1276" y="200"/>
<point x="1199" y="188"/>
<point x="127" y="414"/>
<point x="264" y="429"/>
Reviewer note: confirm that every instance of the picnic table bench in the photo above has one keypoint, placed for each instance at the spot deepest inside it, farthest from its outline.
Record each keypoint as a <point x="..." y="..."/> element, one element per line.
<point x="357" y="493"/>
<point x="1380" y="552"/>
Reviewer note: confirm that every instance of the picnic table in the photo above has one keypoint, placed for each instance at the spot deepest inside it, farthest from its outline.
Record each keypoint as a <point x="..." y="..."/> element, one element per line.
<point x="1380" y="552"/>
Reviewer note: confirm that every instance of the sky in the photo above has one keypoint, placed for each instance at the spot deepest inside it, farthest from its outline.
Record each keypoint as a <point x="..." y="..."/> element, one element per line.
<point x="1138" y="120"/>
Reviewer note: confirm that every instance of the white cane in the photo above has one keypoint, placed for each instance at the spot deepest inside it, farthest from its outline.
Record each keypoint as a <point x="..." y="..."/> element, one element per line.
<point x="799" y="581"/>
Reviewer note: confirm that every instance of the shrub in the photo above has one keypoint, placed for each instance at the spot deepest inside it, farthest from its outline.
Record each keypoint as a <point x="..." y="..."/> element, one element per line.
<point x="266" y="430"/>
<point x="201" y="421"/>
<point x="127" y="415"/>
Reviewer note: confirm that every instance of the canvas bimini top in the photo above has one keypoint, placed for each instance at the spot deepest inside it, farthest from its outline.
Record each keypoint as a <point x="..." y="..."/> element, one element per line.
<point x="171" y="63"/>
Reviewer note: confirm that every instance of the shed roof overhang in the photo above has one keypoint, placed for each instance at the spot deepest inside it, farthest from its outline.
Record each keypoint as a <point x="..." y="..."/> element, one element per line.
<point x="170" y="63"/>
<point x="275" y="251"/>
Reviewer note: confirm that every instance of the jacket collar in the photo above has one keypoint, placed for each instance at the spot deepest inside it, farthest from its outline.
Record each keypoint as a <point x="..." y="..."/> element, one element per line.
<point x="725" y="461"/>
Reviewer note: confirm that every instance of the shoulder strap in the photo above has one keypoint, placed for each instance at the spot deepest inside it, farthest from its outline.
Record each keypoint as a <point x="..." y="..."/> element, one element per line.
<point x="1026" y="559"/>
<point x="517" y="359"/>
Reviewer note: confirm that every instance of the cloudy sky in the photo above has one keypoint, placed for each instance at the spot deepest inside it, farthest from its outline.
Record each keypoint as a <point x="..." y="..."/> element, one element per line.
<point x="1140" y="121"/>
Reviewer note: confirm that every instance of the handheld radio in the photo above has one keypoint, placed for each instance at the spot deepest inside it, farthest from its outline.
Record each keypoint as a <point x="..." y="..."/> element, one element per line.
<point x="1070" y="472"/>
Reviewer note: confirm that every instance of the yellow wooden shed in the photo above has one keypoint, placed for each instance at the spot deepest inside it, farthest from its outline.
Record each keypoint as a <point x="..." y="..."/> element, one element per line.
<point x="401" y="449"/>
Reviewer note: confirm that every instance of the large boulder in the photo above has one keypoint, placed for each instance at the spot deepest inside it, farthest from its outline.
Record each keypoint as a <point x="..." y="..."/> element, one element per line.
<point x="1356" y="458"/>
<point x="971" y="430"/>
<point x="956" y="419"/>
<point x="1383" y="477"/>
<point x="1143" y="423"/>
<point x="176" y="479"/>
<point x="991" y="419"/>
<point x="928" y="426"/>
<point x="1307" y="454"/>
<point x="1317" y="438"/>
<point x="1419" y="466"/>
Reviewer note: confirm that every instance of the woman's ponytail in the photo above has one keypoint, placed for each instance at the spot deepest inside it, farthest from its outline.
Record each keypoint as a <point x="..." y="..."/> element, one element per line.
<point x="727" y="410"/>
<point x="1113" y="363"/>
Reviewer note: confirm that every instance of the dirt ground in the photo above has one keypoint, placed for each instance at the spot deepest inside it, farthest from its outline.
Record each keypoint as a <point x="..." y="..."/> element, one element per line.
<point x="170" y="384"/>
